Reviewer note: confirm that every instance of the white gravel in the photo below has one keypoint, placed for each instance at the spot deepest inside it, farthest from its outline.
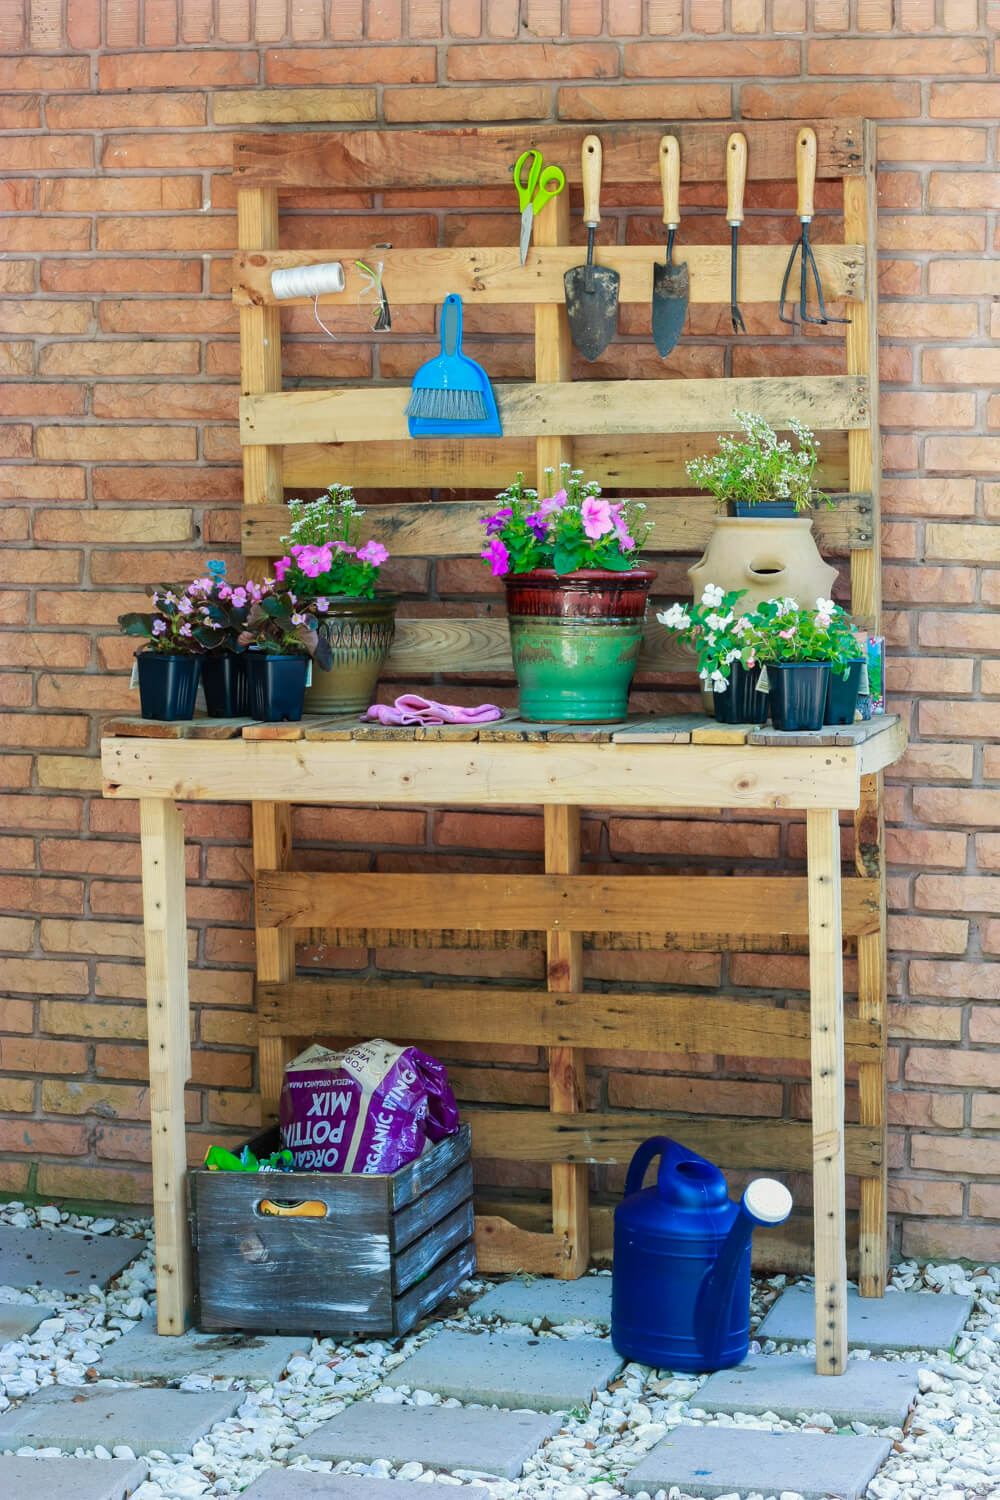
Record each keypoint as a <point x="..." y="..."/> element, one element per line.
<point x="949" y="1449"/>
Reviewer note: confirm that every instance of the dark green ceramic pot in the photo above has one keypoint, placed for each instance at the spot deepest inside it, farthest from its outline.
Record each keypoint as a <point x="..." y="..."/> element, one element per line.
<point x="360" y="632"/>
<point x="575" y="639"/>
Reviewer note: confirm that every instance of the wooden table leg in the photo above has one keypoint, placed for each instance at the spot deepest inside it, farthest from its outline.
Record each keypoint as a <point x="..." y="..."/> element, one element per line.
<point x="567" y="1065"/>
<point x="272" y="850"/>
<point x="826" y="985"/>
<point x="165" y="924"/>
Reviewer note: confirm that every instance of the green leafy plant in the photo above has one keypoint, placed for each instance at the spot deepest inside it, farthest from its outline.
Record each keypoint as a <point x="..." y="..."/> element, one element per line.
<point x="760" y="466"/>
<point x="205" y="618"/>
<point x="779" y="631"/>
<point x="572" y="528"/>
<point x="278" y="625"/>
<point x="717" y="635"/>
<point x="324" y="558"/>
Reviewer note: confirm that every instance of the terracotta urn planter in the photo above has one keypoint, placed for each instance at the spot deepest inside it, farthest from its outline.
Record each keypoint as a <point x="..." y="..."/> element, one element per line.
<point x="771" y="559"/>
<point x="575" y="639"/>
<point x="360" y="632"/>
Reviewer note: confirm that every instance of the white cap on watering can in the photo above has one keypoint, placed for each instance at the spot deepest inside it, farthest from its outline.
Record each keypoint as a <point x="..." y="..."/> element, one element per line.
<point x="767" y="1200"/>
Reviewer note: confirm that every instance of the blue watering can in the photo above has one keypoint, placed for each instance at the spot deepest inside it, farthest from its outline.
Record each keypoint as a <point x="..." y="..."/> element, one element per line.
<point x="680" y="1292"/>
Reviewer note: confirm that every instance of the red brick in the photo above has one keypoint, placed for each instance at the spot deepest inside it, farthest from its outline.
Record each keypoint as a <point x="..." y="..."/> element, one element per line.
<point x="31" y="233"/>
<point x="929" y="320"/>
<point x="42" y="482"/>
<point x="985" y="1112"/>
<point x="55" y="814"/>
<point x="43" y="399"/>
<point x="964" y="1069"/>
<point x="19" y="1055"/>
<point x="44" y="73"/>
<point x="119" y="195"/>
<point x="95" y="1184"/>
<point x="931" y="143"/>
<point x="960" y="631"/>
<point x="925" y="409"/>
<point x="109" y="442"/>
<point x="915" y="1195"/>
<point x="93" y="112"/>
<point x="646" y="101"/>
<point x="923" y="847"/>
<point x="961" y="101"/>
<point x="16" y="357"/>
<point x="43" y="1138"/>
<point x="47" y="153"/>
<point x="43" y="730"/>
<point x="931" y="232"/>
<point x="191" y="486"/>
<point x="40" y="649"/>
<point x="181" y="317"/>
<point x="664" y="17"/>
<point x="171" y="401"/>
<point x="957" y="892"/>
<point x="797" y="101"/>
<point x="17" y="854"/>
<point x="899" y="57"/>
<point x="928" y="935"/>
<point x="954" y="806"/>
<point x="321" y="65"/>
<point x="96" y="275"/>
<point x="693" y="59"/>
<point x="465" y="17"/>
<point x="184" y="70"/>
<point x="943" y="1111"/>
<point x="527" y="60"/>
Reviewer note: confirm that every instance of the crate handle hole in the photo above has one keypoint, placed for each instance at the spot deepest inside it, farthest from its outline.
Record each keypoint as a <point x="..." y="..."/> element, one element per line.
<point x="287" y="1208"/>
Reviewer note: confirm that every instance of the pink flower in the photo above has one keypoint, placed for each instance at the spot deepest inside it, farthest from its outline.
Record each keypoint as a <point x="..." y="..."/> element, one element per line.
<point x="823" y="622"/>
<point x="239" y="597"/>
<point x="786" y="635"/>
<point x="497" y="556"/>
<point x="321" y="605"/>
<point x="184" y="605"/>
<point x="314" y="560"/>
<point x="343" y="547"/>
<point x="185" y="629"/>
<point x="298" y="619"/>
<point x="373" y="552"/>
<point x="596" y="517"/>
<point x="159" y="627"/>
<point x="252" y="591"/>
<point x="225" y="592"/>
<point x="554" y="502"/>
<point x="281" y="567"/>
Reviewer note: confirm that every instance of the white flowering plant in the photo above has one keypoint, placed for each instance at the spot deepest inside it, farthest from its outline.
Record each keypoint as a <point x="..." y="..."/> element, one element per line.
<point x="780" y="631"/>
<point x="761" y="466"/>
<point x="718" y="636"/>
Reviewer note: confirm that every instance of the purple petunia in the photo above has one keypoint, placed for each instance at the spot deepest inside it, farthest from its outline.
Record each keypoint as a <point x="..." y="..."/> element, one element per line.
<point x="496" y="522"/>
<point x="497" y="556"/>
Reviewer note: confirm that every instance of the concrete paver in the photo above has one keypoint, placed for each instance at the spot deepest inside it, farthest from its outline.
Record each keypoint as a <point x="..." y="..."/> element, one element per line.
<point x="899" y="1320"/>
<point x="70" y="1478"/>
<point x="141" y="1419"/>
<point x="587" y="1300"/>
<point x="298" y="1484"/>
<point x="19" y="1318"/>
<point x="441" y="1437"/>
<point x="61" y="1258"/>
<point x="142" y="1354"/>
<point x="870" y="1390"/>
<point x="713" y="1461"/>
<point x="544" y="1373"/>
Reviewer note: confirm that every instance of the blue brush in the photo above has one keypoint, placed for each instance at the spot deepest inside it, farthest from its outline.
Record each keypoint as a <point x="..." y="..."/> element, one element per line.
<point x="452" y="395"/>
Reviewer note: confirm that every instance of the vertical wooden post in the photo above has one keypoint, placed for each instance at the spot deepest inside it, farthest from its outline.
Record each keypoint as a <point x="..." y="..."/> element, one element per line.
<point x="567" y="1065"/>
<point x="826" y="986"/>
<point x="864" y="473"/>
<point x="165" y="924"/>
<point x="260" y="353"/>
<point x="272" y="850"/>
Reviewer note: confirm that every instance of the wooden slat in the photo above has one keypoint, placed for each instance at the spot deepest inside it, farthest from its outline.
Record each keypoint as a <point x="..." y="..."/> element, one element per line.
<point x="575" y="903"/>
<point x="423" y="773"/>
<point x="375" y="413"/>
<point x="167" y="1009"/>
<point x="635" y="463"/>
<point x="873" y="1235"/>
<point x="483" y="645"/>
<point x="642" y="1022"/>
<point x="826" y="991"/>
<point x="606" y="942"/>
<point x="537" y="1135"/>
<point x="452" y="529"/>
<point x="863" y="445"/>
<point x="275" y="949"/>
<point x="260" y="345"/>
<point x="495" y="275"/>
<point x="503" y="1248"/>
<point x="403" y="158"/>
<point x="567" y="1065"/>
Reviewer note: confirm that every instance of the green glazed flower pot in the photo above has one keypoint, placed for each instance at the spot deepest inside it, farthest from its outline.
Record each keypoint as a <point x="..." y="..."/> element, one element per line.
<point x="360" y="632"/>
<point x="575" y="639"/>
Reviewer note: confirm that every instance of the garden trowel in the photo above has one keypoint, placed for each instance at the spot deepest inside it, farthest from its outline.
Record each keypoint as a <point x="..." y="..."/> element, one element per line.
<point x="670" y="282"/>
<point x="591" y="291"/>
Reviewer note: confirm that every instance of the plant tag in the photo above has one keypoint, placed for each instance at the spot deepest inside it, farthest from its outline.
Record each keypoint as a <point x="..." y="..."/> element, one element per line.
<point x="133" y="681"/>
<point x="864" y="688"/>
<point x="309" y="673"/>
<point x="763" y="683"/>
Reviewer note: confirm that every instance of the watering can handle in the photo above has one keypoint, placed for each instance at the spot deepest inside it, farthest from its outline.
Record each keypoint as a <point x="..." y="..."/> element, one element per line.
<point x="451" y="324"/>
<point x="658" y="1145"/>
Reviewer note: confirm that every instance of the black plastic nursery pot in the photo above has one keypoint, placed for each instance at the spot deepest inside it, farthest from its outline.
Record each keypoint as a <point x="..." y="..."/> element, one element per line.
<point x="168" y="685"/>
<point x="741" y="703"/>
<point x="842" y="695"/>
<point x="798" y="693"/>
<point x="227" y="692"/>
<point x="277" y="686"/>
<point x="764" y="509"/>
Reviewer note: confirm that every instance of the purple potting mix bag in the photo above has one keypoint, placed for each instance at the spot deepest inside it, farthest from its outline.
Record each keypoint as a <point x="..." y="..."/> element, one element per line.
<point x="370" y="1109"/>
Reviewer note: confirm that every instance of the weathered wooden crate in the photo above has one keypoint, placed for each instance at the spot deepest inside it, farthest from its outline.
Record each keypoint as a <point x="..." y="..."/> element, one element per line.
<point x="387" y="1251"/>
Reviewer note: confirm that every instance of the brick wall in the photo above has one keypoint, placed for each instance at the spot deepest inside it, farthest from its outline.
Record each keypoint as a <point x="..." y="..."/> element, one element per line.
<point x="119" y="468"/>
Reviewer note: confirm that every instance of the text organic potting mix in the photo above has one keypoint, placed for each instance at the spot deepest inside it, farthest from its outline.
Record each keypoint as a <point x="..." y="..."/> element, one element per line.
<point x="370" y="1109"/>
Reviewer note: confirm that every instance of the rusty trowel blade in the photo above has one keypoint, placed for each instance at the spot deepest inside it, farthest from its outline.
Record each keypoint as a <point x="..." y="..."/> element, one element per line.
<point x="593" y="315"/>
<point x="670" y="305"/>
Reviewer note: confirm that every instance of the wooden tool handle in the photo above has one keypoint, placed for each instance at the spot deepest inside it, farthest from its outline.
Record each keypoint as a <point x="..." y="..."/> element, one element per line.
<point x="670" y="178"/>
<point x="592" y="162"/>
<point x="736" y="176"/>
<point x="805" y="171"/>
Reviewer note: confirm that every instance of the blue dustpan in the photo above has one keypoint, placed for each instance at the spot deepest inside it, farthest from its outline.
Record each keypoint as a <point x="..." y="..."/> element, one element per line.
<point x="452" y="395"/>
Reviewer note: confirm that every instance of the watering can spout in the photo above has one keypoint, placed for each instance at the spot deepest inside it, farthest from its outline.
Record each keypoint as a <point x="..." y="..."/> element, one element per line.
<point x="764" y="1202"/>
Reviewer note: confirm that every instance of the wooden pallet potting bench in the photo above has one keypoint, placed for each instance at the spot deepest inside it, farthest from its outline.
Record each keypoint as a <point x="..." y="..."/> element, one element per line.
<point x="635" y="434"/>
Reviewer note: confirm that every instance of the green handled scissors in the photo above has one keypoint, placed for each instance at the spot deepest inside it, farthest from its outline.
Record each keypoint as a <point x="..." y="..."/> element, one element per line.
<point x="544" y="183"/>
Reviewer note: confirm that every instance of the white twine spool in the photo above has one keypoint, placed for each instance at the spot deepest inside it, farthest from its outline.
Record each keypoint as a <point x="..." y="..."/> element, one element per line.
<point x="308" y="281"/>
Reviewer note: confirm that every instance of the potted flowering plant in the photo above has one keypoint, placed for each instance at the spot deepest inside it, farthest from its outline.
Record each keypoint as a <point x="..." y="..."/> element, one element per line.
<point x="800" y="648"/>
<point x="329" y="570"/>
<point x="280" y="636"/>
<point x="727" y="657"/>
<point x="763" y="542"/>
<point x="220" y="611"/>
<point x="169" y="663"/>
<point x="576" y="595"/>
